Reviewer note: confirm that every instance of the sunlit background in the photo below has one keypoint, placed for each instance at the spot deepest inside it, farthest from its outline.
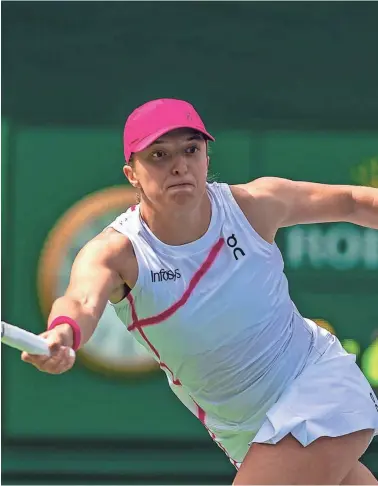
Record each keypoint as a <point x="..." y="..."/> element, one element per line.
<point x="288" y="89"/>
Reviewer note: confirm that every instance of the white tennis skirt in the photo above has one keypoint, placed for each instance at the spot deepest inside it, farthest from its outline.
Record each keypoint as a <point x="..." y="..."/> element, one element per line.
<point x="331" y="397"/>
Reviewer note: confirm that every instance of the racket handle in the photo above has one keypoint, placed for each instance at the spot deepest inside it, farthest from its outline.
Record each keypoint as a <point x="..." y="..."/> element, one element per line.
<point x="23" y="340"/>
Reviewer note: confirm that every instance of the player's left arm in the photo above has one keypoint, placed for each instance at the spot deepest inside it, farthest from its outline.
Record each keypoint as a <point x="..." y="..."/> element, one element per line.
<point x="288" y="202"/>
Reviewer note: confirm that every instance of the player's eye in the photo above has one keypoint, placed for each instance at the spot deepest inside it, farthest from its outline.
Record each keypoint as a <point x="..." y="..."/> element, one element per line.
<point x="192" y="149"/>
<point x="158" y="154"/>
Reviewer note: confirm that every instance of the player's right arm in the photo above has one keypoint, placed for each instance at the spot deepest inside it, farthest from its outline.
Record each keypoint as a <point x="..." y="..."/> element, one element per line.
<point x="98" y="274"/>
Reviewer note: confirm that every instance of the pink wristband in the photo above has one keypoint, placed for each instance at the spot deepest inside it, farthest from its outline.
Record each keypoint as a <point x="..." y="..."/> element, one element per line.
<point x="74" y="326"/>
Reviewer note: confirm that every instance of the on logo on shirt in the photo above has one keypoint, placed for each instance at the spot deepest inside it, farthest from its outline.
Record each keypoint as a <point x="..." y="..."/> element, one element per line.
<point x="237" y="251"/>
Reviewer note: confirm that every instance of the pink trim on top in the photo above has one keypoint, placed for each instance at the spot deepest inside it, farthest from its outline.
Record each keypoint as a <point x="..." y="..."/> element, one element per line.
<point x="76" y="331"/>
<point x="221" y="446"/>
<point x="201" y="414"/>
<point x="149" y="321"/>
<point x="139" y="324"/>
<point x="151" y="346"/>
<point x="202" y="417"/>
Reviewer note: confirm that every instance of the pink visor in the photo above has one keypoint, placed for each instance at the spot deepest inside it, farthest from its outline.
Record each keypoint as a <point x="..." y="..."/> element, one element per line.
<point x="155" y="118"/>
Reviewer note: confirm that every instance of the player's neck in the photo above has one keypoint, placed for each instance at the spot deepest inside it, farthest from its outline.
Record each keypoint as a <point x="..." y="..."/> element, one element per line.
<point x="178" y="227"/>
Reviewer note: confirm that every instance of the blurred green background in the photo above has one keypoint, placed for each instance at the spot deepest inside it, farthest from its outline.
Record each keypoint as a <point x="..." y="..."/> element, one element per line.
<point x="288" y="89"/>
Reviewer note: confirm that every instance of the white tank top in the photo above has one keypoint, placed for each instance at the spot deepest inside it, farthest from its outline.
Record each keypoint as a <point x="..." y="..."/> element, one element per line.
<point x="217" y="315"/>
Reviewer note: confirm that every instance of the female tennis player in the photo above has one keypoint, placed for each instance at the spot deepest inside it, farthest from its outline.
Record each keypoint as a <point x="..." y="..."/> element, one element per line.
<point x="195" y="275"/>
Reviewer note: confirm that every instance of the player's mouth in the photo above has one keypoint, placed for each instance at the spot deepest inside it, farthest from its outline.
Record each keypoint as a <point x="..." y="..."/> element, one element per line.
<point x="181" y="185"/>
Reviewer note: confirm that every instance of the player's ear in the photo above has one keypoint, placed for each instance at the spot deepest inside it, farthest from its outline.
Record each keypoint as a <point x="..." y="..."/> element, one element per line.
<point x="130" y="175"/>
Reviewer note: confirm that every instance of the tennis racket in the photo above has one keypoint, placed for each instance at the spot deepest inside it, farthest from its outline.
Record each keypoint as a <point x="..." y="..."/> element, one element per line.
<point x="24" y="340"/>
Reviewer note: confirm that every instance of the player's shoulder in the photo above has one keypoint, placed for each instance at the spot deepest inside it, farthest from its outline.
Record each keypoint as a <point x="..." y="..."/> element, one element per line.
<point x="110" y="245"/>
<point x="258" y="202"/>
<point x="257" y="195"/>
<point x="260" y="188"/>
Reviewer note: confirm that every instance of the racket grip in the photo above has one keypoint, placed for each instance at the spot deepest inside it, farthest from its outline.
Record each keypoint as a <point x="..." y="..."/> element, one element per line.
<point x="24" y="340"/>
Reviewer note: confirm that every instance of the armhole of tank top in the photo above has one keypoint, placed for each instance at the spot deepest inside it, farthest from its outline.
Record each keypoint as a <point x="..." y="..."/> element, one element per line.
<point x="141" y="272"/>
<point x="227" y="194"/>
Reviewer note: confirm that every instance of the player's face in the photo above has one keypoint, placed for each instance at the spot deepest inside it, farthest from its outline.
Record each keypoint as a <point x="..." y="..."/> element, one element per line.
<point x="171" y="170"/>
